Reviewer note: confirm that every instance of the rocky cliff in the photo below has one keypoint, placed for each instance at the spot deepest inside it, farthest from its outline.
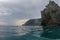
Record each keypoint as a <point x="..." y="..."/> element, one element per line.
<point x="33" y="22"/>
<point x="51" y="14"/>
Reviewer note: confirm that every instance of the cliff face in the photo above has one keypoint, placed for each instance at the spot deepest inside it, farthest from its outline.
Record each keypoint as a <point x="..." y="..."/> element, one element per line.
<point x="51" y="14"/>
<point x="33" y="22"/>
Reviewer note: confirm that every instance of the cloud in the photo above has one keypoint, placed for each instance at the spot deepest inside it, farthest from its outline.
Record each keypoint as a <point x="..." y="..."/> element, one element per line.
<point x="4" y="11"/>
<point x="13" y="11"/>
<point x="20" y="1"/>
<point x="8" y="1"/>
<point x="3" y="23"/>
<point x="22" y="9"/>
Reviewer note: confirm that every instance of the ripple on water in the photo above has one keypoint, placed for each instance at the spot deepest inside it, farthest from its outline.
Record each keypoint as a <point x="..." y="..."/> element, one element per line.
<point x="22" y="33"/>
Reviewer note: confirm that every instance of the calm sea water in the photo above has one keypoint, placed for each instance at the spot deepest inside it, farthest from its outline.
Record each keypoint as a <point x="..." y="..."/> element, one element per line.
<point x="22" y="33"/>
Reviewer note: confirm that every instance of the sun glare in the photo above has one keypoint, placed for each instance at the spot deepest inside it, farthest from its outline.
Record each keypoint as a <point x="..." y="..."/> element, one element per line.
<point x="20" y="22"/>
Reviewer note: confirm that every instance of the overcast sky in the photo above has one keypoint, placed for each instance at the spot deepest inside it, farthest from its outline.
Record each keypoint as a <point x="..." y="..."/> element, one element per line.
<point x="12" y="11"/>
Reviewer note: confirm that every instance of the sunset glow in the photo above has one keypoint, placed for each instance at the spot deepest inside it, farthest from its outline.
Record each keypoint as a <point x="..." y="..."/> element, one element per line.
<point x="20" y="22"/>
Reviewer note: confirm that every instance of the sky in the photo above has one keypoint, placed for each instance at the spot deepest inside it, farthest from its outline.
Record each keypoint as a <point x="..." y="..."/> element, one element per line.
<point x="17" y="12"/>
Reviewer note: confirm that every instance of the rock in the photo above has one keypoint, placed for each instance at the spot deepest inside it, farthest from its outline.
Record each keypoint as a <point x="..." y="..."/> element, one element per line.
<point x="51" y="14"/>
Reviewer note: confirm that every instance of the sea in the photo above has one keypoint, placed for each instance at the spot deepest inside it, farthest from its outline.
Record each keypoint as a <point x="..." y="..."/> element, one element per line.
<point x="22" y="33"/>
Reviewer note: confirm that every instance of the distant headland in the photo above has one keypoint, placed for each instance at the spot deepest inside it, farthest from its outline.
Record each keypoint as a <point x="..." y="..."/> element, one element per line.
<point x="33" y="22"/>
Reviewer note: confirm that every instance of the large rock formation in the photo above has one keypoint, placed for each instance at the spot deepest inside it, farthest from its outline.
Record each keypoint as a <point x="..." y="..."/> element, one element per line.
<point x="51" y="14"/>
<point x="51" y="21"/>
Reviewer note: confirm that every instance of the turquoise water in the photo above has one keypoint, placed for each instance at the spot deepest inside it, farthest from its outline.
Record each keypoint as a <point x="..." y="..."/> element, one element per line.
<point x="22" y="33"/>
